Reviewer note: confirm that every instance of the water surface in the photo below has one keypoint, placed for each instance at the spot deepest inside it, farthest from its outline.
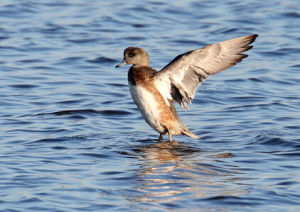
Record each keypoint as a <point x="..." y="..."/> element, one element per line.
<point x="72" y="139"/>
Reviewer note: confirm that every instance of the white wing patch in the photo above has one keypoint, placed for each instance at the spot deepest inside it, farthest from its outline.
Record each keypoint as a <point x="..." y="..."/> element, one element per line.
<point x="164" y="87"/>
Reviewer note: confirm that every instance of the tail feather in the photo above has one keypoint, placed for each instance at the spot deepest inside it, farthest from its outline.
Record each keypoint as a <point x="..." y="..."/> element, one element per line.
<point x="182" y="127"/>
<point x="188" y="133"/>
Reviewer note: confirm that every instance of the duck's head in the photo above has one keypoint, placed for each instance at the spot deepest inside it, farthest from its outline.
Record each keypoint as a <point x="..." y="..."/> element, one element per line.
<point x="135" y="56"/>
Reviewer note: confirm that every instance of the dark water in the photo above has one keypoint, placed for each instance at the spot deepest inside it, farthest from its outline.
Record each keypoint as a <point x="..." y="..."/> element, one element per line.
<point x="72" y="139"/>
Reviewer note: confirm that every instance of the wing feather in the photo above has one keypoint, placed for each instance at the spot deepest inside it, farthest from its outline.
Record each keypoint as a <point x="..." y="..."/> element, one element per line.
<point x="179" y="80"/>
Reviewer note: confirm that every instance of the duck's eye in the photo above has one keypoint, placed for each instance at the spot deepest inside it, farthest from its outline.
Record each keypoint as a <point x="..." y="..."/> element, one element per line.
<point x="131" y="54"/>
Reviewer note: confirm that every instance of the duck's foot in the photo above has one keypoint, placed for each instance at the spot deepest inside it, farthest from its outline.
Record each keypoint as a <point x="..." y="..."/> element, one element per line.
<point x="170" y="137"/>
<point x="160" y="137"/>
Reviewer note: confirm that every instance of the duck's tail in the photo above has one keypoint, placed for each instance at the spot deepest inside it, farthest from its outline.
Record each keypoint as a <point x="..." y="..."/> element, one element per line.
<point x="188" y="133"/>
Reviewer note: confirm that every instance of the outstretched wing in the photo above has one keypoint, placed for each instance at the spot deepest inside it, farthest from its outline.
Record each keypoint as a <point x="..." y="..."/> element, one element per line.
<point x="179" y="80"/>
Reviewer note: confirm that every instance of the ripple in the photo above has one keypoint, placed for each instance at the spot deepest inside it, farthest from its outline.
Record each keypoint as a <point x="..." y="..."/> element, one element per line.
<point x="87" y="112"/>
<point x="139" y="25"/>
<point x="95" y="155"/>
<point x="115" y="112"/>
<point x="289" y="50"/>
<point x="69" y="112"/>
<point x="287" y="183"/>
<point x="295" y="66"/>
<point x="274" y="53"/>
<point x="3" y="38"/>
<point x="233" y="200"/>
<point x="292" y="14"/>
<point x="31" y="61"/>
<point x="24" y="86"/>
<point x="59" y="139"/>
<point x="189" y="42"/>
<point x="270" y="140"/>
<point x="135" y="38"/>
<point x="77" y="117"/>
<point x="103" y="60"/>
<point x="50" y="28"/>
<point x="71" y="59"/>
<point x="292" y="153"/>
<point x="67" y="102"/>
<point x="83" y="41"/>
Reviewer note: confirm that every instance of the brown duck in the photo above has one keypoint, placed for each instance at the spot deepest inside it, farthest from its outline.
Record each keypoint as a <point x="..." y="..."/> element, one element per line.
<point x="155" y="92"/>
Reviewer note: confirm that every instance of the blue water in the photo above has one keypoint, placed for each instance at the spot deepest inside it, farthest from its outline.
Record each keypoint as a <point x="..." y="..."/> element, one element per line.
<point x="72" y="139"/>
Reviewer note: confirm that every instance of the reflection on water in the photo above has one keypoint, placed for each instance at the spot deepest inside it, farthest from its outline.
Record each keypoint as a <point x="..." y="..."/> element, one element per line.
<point x="167" y="152"/>
<point x="172" y="171"/>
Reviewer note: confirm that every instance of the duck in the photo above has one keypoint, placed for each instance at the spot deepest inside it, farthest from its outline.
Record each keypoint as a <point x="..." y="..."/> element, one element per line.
<point x="155" y="92"/>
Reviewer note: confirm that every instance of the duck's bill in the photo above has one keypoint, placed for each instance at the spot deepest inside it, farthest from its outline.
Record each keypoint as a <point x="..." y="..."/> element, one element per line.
<point x="123" y="63"/>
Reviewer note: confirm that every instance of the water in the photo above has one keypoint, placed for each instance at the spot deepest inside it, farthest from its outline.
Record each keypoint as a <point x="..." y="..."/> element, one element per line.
<point x="72" y="139"/>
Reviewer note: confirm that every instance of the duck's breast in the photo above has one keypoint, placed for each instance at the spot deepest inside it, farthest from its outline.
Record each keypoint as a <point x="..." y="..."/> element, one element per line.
<point x="148" y="105"/>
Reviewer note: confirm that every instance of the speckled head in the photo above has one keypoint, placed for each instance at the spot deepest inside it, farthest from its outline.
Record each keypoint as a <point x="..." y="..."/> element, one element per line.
<point x="135" y="56"/>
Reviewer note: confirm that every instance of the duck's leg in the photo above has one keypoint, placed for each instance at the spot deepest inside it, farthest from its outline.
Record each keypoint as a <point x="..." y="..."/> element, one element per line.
<point x="160" y="137"/>
<point x="170" y="136"/>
